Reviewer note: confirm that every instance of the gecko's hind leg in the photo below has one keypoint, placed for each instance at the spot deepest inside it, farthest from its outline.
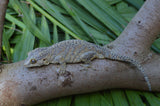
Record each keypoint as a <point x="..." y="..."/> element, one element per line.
<point x="87" y="58"/>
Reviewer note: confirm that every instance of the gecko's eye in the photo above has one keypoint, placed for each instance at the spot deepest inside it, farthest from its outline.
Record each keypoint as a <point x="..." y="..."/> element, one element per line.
<point x="44" y="59"/>
<point x="33" y="61"/>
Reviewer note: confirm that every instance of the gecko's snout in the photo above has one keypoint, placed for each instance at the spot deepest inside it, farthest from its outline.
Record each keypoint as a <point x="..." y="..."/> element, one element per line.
<point x="26" y="64"/>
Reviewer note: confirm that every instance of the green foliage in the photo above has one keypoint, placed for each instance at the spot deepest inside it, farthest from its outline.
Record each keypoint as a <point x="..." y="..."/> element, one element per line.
<point x="119" y="98"/>
<point x="38" y="23"/>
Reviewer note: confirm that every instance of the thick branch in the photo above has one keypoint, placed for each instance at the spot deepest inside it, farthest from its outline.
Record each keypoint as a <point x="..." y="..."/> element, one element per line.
<point x="30" y="86"/>
<point x="135" y="41"/>
<point x="3" y="7"/>
<point x="20" y="85"/>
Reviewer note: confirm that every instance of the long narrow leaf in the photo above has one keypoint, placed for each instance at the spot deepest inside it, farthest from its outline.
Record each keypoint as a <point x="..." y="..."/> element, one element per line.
<point x="29" y="23"/>
<point x="82" y="100"/>
<point x="95" y="99"/>
<point x="136" y="3"/>
<point x="14" y="20"/>
<point x="89" y="19"/>
<point x="77" y="19"/>
<point x="50" y="17"/>
<point x="44" y="29"/>
<point x="134" y="98"/>
<point x="65" y="101"/>
<point x="55" y="34"/>
<point x="23" y="47"/>
<point x="6" y="45"/>
<point x="102" y="16"/>
<point x="152" y="99"/>
<point x="110" y="11"/>
<point x="108" y="97"/>
<point x="119" y="98"/>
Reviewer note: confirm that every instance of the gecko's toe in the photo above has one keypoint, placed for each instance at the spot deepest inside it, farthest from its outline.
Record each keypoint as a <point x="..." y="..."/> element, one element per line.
<point x="61" y="71"/>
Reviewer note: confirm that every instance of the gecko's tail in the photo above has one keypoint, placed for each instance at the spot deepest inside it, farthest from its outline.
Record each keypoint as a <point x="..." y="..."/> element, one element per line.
<point x="135" y="63"/>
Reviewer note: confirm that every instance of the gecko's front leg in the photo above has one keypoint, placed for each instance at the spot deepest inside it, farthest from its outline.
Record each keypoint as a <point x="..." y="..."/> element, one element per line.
<point x="62" y="68"/>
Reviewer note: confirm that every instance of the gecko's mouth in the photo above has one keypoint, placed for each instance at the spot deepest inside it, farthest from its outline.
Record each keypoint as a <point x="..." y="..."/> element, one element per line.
<point x="28" y="64"/>
<point x="25" y="64"/>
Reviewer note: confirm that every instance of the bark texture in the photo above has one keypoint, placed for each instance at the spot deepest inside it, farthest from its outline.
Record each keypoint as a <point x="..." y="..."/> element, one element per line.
<point x="20" y="85"/>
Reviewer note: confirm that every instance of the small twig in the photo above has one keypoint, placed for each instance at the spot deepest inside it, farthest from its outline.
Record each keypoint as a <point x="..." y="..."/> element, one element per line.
<point x="3" y="7"/>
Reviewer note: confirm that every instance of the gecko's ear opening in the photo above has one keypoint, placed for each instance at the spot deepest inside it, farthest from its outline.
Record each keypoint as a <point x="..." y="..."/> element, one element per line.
<point x="45" y="61"/>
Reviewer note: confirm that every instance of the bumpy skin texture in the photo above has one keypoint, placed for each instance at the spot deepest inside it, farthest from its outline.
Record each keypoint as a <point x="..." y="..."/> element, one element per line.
<point x="75" y="51"/>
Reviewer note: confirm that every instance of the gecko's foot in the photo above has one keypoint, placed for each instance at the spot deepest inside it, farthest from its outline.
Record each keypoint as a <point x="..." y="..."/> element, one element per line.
<point x="61" y="71"/>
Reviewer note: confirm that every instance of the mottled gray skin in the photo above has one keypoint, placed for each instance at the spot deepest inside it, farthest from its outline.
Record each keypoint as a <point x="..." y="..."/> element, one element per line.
<point x="75" y="51"/>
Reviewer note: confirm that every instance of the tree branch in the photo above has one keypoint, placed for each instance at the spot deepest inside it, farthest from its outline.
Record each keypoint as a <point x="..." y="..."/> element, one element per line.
<point x="138" y="36"/>
<point x="20" y="85"/>
<point x="33" y="85"/>
<point x="3" y="7"/>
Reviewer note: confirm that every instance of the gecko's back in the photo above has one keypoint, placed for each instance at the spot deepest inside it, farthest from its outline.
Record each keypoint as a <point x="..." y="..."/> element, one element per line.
<point x="72" y="51"/>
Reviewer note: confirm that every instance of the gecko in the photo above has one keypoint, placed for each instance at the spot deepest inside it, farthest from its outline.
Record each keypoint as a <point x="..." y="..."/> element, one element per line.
<point x="75" y="51"/>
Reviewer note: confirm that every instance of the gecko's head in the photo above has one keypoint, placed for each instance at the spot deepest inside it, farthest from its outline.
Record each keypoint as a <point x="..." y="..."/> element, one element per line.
<point x="37" y="57"/>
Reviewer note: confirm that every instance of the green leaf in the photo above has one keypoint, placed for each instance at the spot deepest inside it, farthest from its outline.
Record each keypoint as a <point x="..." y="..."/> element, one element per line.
<point x="126" y="11"/>
<point x="152" y="99"/>
<point x="112" y="12"/>
<point x="6" y="45"/>
<point x="119" y="98"/>
<point x="29" y="22"/>
<point x="112" y="2"/>
<point x="55" y="34"/>
<point x="108" y="97"/>
<point x="82" y="100"/>
<point x="157" y="43"/>
<point x="95" y="99"/>
<point x="106" y="19"/>
<point x="50" y="9"/>
<point x="104" y="102"/>
<point x="134" y="98"/>
<point x="10" y="31"/>
<point x="67" y="37"/>
<point x="23" y="47"/>
<point x="44" y="29"/>
<point x="155" y="49"/>
<point x="100" y="37"/>
<point x="51" y="103"/>
<point x="136" y="3"/>
<point x="65" y="101"/>
<point x="77" y="19"/>
<point x="6" y="37"/>
<point x="89" y="19"/>
<point x="15" y="20"/>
